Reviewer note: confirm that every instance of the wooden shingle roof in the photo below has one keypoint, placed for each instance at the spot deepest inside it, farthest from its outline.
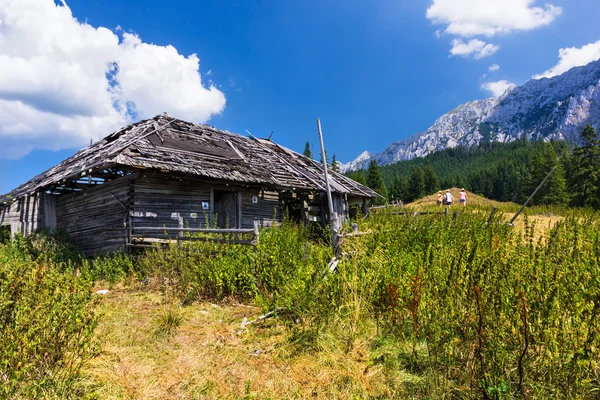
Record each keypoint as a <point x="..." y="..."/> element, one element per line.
<point x="168" y="144"/>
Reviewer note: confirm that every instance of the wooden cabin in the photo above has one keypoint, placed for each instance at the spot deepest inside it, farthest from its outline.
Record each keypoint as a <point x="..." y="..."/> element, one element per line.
<point x="167" y="173"/>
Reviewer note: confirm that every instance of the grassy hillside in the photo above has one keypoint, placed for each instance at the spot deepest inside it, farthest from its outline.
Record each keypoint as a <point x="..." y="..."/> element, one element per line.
<point x="429" y="202"/>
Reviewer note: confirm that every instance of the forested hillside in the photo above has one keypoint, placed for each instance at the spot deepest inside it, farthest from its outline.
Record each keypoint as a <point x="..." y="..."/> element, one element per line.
<point x="499" y="171"/>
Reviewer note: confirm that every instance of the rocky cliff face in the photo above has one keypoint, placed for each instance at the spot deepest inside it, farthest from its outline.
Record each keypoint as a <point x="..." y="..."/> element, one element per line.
<point x="546" y="108"/>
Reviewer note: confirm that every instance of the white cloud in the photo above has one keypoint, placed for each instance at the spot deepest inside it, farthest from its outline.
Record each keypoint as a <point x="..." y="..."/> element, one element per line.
<point x="572" y="57"/>
<point x="497" y="88"/>
<point x="63" y="82"/>
<point x="469" y="18"/>
<point x="475" y="47"/>
<point x="493" y="68"/>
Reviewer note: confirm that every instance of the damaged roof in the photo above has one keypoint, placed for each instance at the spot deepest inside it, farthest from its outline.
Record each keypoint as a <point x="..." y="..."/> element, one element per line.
<point x="168" y="144"/>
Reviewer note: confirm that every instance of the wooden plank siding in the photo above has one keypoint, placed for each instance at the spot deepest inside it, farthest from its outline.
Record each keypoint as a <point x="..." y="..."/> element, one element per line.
<point x="105" y="218"/>
<point x="95" y="218"/>
<point x="267" y="211"/>
<point x="162" y="200"/>
<point x="29" y="214"/>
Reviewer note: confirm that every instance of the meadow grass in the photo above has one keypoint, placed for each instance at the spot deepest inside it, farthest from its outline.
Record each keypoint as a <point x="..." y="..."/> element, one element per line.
<point x="425" y="307"/>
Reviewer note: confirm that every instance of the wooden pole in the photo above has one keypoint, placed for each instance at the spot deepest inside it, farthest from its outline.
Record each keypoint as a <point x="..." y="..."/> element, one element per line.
<point x="494" y="209"/>
<point x="239" y="210"/>
<point x="332" y="213"/>
<point x="256" y="232"/>
<point x="211" y="208"/>
<point x="180" y="226"/>
<point x="404" y="209"/>
<point x="532" y="194"/>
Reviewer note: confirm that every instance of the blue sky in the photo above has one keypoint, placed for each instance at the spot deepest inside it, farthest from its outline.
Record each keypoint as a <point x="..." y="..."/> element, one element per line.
<point x="373" y="71"/>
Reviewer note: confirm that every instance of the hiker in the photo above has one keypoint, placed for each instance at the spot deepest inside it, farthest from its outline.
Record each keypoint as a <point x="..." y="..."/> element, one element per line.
<point x="463" y="197"/>
<point x="440" y="198"/>
<point x="448" y="197"/>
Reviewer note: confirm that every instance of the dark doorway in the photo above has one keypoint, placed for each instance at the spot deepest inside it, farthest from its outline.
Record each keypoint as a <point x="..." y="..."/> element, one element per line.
<point x="226" y="209"/>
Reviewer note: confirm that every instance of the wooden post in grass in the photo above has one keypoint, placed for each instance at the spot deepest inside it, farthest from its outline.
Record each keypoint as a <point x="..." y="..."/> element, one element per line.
<point x="531" y="197"/>
<point x="404" y="209"/>
<point x="332" y="214"/>
<point x="180" y="226"/>
<point x="256" y="232"/>
<point x="494" y="209"/>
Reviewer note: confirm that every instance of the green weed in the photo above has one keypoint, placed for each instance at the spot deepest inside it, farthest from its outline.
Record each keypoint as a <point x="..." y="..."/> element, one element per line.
<point x="46" y="327"/>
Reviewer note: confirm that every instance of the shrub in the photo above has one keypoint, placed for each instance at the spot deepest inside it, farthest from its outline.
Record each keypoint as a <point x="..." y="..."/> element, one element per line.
<point x="113" y="268"/>
<point x="46" y="325"/>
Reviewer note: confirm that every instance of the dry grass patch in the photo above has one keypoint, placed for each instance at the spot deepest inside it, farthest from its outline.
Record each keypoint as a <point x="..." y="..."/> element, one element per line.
<point x="472" y="200"/>
<point x="541" y="224"/>
<point x="204" y="357"/>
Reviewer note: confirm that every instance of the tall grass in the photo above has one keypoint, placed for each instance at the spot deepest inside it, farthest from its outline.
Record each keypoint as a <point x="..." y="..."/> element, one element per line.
<point x="485" y="311"/>
<point x="465" y="308"/>
<point x="46" y="326"/>
<point x="476" y="310"/>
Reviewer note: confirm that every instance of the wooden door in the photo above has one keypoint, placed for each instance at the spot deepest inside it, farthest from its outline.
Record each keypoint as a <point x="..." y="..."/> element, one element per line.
<point x="226" y="209"/>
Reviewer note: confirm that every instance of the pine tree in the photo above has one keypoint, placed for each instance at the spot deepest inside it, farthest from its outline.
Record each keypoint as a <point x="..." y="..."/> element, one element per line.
<point x="431" y="180"/>
<point x="416" y="184"/>
<point x="334" y="164"/>
<point x="358" y="176"/>
<point x="557" y="193"/>
<point x="460" y="182"/>
<point x="554" y="190"/>
<point x="506" y="183"/>
<point x="375" y="180"/>
<point x="584" y="174"/>
<point x="399" y="189"/>
<point x="307" y="151"/>
<point x="526" y="183"/>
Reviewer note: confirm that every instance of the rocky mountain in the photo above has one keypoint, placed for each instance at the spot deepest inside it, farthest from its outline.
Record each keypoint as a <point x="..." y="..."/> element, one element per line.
<point x="546" y="108"/>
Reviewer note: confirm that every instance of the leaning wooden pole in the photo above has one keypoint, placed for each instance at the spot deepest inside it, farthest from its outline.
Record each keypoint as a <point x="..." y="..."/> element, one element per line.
<point x="532" y="194"/>
<point x="332" y="213"/>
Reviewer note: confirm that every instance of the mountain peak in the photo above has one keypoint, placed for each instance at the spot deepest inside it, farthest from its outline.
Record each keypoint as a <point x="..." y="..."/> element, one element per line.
<point x="542" y="108"/>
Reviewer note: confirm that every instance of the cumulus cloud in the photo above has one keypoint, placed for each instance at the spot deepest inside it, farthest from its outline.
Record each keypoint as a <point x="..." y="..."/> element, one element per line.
<point x="493" y="68"/>
<point x="475" y="47"/>
<point x="63" y="81"/>
<point x="572" y="57"/>
<point x="469" y="18"/>
<point x="488" y="18"/>
<point x="497" y="88"/>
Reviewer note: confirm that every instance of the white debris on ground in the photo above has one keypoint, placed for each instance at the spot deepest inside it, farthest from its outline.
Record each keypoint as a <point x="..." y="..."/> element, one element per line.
<point x="102" y="291"/>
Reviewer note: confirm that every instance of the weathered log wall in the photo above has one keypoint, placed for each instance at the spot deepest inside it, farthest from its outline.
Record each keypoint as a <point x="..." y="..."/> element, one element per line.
<point x="95" y="218"/>
<point x="340" y="206"/>
<point x="168" y="201"/>
<point x="158" y="201"/>
<point x="104" y="218"/>
<point x="267" y="210"/>
<point x="29" y="214"/>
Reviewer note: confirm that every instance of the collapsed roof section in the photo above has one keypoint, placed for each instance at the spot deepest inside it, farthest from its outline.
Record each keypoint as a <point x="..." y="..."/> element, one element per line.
<point x="168" y="144"/>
